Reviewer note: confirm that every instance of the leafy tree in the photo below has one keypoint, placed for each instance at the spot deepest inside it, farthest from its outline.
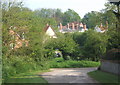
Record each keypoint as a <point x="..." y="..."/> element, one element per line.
<point x="70" y="16"/>
<point x="95" y="45"/>
<point x="59" y="16"/>
<point x="107" y="14"/>
<point x="64" y="43"/>
<point x="92" y="44"/>
<point x="92" y="19"/>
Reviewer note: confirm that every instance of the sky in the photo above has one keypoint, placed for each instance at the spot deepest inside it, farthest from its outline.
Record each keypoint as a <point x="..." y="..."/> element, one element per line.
<point x="80" y="6"/>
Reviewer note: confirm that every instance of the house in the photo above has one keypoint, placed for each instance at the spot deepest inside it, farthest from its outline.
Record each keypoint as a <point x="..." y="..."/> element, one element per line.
<point x="72" y="27"/>
<point x="101" y="28"/>
<point x="50" y="32"/>
<point x="17" y="40"/>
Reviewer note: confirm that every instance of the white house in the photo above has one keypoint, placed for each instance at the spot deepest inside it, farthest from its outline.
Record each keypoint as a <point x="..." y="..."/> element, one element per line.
<point x="50" y="32"/>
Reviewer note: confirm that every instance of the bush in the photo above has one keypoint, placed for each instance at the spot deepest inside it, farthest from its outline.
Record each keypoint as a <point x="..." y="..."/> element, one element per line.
<point x="92" y="44"/>
<point x="63" y="43"/>
<point x="112" y="54"/>
<point x="114" y="38"/>
<point x="61" y="63"/>
<point x="20" y="64"/>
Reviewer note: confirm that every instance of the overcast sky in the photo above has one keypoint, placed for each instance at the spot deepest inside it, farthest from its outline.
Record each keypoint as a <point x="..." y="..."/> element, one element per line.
<point x="80" y="6"/>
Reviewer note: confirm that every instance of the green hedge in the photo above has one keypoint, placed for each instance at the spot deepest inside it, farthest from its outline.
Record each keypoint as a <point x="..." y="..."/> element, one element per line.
<point x="61" y="63"/>
<point x="20" y="64"/>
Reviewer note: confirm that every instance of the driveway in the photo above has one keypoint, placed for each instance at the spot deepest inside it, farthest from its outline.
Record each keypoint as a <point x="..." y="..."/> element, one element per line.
<point x="69" y="75"/>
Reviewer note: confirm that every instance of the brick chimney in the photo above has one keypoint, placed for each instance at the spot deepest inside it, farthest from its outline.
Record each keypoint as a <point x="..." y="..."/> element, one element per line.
<point x="84" y="26"/>
<point x="77" y="26"/>
<point x="73" y="26"/>
<point x="11" y="32"/>
<point x="47" y="24"/>
<point x="60" y="26"/>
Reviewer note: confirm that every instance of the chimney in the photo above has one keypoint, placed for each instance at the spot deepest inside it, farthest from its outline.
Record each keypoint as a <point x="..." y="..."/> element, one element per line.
<point x="47" y="24"/>
<point x="11" y="32"/>
<point x="101" y="25"/>
<point x="84" y="26"/>
<point x="60" y="26"/>
<point x="77" y="26"/>
<point x="73" y="26"/>
<point x="68" y="26"/>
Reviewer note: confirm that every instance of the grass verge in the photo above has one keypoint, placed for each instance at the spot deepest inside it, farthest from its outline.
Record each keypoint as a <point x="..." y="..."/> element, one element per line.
<point x="105" y="78"/>
<point x="27" y="78"/>
<point x="61" y="63"/>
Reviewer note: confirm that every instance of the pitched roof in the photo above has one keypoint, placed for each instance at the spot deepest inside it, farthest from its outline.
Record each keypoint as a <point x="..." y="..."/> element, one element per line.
<point x="46" y="28"/>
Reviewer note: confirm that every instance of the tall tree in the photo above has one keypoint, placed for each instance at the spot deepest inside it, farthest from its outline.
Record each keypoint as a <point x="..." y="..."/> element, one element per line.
<point x="70" y="16"/>
<point x="91" y="19"/>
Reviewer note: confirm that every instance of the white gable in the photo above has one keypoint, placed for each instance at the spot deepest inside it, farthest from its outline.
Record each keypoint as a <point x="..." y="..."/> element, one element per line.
<point x="50" y="32"/>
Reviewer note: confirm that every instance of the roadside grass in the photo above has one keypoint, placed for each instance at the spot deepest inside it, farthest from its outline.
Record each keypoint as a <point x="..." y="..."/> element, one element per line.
<point x="27" y="78"/>
<point x="105" y="78"/>
<point x="61" y="63"/>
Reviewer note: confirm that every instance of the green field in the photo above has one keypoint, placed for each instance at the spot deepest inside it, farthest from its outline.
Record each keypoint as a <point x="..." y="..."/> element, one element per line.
<point x="61" y="63"/>
<point x="105" y="78"/>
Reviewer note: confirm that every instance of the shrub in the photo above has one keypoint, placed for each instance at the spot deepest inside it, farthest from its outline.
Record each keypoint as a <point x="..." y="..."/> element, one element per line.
<point x="72" y="63"/>
<point x="92" y="44"/>
<point x="63" y="43"/>
<point x="112" y="54"/>
<point x="20" y="64"/>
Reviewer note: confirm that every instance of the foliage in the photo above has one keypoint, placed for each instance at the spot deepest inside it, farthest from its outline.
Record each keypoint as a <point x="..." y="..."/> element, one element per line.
<point x="89" y="45"/>
<point x="20" y="64"/>
<point x="64" y="43"/>
<point x="92" y="19"/>
<point x="70" y="16"/>
<point x="114" y="37"/>
<point x="25" y="58"/>
<point x="56" y="14"/>
<point x="61" y="63"/>
<point x="92" y="44"/>
<point x="104" y="77"/>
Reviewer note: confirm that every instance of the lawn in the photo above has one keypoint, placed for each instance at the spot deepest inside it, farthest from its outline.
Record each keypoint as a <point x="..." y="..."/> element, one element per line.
<point x="105" y="78"/>
<point x="32" y="78"/>
<point x="61" y="63"/>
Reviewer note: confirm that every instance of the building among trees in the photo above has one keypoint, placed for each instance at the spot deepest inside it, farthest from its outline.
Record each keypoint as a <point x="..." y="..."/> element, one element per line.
<point x="50" y="32"/>
<point x="73" y="27"/>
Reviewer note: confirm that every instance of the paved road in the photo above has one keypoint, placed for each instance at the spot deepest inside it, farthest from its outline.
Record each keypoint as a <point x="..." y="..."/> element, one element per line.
<point x="69" y="75"/>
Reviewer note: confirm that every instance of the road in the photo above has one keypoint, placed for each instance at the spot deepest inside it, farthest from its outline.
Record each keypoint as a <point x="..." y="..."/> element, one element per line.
<point x="69" y="75"/>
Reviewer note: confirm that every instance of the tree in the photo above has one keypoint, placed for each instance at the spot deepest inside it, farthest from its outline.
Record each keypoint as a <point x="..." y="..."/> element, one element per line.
<point x="92" y="44"/>
<point x="58" y="16"/>
<point x="65" y="44"/>
<point x="108" y="14"/>
<point x="92" y="19"/>
<point x="70" y="16"/>
<point x="95" y="45"/>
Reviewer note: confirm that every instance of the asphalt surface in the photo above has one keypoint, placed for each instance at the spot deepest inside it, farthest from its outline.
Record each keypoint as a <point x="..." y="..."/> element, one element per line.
<point x="69" y="75"/>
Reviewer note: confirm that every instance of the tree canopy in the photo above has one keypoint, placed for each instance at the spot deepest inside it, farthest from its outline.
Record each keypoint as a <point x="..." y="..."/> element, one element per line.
<point x="70" y="16"/>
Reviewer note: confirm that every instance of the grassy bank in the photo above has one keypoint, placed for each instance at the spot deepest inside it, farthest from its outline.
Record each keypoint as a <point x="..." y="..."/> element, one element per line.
<point x="26" y="78"/>
<point x="61" y="63"/>
<point x="105" y="78"/>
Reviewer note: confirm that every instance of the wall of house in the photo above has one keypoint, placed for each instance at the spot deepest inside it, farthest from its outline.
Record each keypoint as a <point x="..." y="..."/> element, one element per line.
<point x="109" y="66"/>
<point x="50" y="32"/>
